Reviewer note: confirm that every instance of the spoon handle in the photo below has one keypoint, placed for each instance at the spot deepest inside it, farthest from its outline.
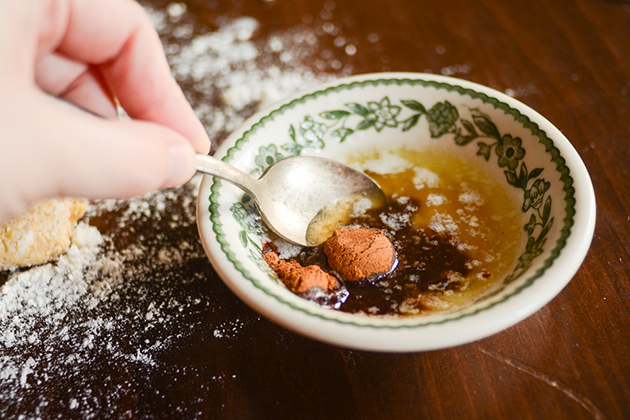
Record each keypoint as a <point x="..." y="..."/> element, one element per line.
<point x="211" y="166"/>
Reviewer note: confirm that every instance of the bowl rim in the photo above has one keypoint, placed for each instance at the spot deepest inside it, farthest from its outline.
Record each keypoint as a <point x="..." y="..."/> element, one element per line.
<point x="582" y="198"/>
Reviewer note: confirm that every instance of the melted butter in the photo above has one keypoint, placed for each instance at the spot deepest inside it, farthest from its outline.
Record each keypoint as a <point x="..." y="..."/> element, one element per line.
<point x="467" y="208"/>
<point x="455" y="229"/>
<point x="339" y="214"/>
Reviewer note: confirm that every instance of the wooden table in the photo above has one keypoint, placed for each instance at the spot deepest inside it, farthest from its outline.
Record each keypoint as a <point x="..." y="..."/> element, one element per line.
<point x="212" y="357"/>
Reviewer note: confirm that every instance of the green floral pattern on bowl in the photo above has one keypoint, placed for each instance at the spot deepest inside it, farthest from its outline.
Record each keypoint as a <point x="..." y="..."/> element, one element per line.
<point x="444" y="121"/>
<point x="370" y="110"/>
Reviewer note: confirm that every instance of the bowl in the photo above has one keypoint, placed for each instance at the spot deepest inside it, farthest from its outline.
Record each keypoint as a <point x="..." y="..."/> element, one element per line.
<point x="546" y="184"/>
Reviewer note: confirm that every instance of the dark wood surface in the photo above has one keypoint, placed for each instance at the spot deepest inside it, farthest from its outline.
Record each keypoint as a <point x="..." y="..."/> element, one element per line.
<point x="570" y="61"/>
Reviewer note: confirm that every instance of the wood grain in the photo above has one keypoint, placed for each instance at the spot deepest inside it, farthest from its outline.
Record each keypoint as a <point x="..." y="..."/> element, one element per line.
<point x="567" y="59"/>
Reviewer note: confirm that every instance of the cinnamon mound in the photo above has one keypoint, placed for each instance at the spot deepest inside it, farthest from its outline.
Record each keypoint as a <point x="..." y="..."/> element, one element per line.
<point x="299" y="279"/>
<point x="359" y="253"/>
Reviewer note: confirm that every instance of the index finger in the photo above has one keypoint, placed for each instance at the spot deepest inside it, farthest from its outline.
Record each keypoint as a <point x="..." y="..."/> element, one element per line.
<point x="118" y="36"/>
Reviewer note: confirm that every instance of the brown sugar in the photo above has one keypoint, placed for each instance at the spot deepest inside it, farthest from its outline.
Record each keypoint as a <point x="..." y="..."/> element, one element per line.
<point x="299" y="279"/>
<point x="360" y="253"/>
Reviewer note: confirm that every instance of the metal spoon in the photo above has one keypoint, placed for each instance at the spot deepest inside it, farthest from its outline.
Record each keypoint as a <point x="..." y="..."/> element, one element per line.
<point x="293" y="191"/>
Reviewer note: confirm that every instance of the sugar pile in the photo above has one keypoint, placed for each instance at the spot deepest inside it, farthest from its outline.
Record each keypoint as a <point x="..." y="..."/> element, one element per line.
<point x="103" y="315"/>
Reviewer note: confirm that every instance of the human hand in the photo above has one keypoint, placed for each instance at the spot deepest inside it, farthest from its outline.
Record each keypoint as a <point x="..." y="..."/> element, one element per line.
<point x="88" y="52"/>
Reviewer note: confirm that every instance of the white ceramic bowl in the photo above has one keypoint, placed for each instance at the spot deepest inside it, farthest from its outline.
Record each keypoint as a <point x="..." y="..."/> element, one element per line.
<point x="389" y="110"/>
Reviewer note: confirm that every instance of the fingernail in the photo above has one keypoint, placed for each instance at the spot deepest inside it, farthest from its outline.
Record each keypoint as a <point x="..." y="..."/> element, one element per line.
<point x="206" y="145"/>
<point x="182" y="164"/>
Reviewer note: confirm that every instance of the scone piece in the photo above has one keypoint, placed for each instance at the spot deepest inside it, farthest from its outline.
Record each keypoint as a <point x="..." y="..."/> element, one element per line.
<point x="41" y="234"/>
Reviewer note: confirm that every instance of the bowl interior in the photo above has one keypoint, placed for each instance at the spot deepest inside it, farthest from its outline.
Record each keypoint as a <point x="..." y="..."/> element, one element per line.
<point x="504" y="138"/>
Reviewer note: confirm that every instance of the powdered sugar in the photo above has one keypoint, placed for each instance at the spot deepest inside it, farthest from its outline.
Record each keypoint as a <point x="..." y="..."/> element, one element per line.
<point x="435" y="200"/>
<point x="387" y="162"/>
<point x="425" y="178"/>
<point x="443" y="223"/>
<point x="470" y="198"/>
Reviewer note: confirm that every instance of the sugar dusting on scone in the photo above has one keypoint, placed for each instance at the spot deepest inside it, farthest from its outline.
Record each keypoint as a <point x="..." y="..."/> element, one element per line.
<point x="41" y="234"/>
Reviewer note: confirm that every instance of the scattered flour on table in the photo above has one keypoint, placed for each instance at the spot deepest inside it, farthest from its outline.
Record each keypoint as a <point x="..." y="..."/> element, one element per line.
<point x="229" y="74"/>
<point x="54" y="321"/>
<point x="53" y="317"/>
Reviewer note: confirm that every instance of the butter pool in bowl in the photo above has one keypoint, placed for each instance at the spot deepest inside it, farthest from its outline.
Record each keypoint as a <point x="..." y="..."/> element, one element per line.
<point x="491" y="211"/>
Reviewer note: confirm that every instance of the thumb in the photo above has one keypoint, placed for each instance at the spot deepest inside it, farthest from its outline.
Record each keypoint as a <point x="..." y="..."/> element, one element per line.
<point x="62" y="151"/>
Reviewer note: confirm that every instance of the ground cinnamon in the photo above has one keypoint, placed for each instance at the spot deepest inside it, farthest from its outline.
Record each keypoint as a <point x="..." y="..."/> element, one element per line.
<point x="299" y="279"/>
<point x="360" y="253"/>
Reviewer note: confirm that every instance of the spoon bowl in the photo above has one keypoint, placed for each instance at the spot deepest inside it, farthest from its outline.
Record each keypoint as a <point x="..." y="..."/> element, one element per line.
<point x="292" y="192"/>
